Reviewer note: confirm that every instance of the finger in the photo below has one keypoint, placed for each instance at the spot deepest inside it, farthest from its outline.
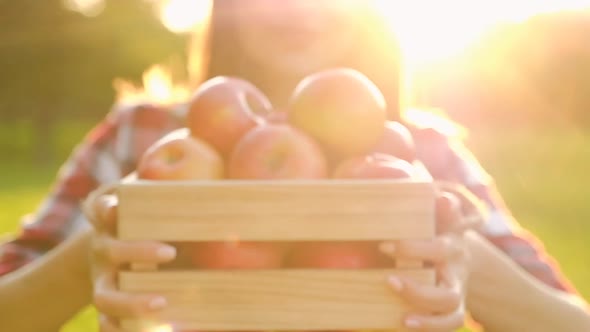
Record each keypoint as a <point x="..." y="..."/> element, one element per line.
<point x="470" y="205"/>
<point x="101" y="212"/>
<point x="435" y="323"/>
<point x="429" y="298"/>
<point x="106" y="211"/>
<point x="115" y="304"/>
<point x="452" y="275"/>
<point x="438" y="250"/>
<point x="448" y="213"/>
<point x="112" y="252"/>
<point x="107" y="325"/>
<point x="89" y="205"/>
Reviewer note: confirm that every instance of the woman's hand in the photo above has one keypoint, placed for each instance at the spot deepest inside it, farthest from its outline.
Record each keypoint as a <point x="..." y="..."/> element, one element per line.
<point x="439" y="307"/>
<point x="109" y="255"/>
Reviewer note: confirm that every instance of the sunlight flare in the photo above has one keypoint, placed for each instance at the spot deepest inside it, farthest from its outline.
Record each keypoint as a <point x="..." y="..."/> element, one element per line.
<point x="182" y="16"/>
<point x="158" y="86"/>
<point x="88" y="8"/>
<point x="162" y="328"/>
<point x="432" y="30"/>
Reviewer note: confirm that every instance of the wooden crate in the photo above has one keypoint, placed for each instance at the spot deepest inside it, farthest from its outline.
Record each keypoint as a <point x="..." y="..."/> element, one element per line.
<point x="272" y="300"/>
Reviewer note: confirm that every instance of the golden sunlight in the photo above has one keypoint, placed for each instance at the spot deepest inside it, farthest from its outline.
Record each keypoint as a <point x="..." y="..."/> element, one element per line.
<point x="162" y="328"/>
<point x="432" y="30"/>
<point x="181" y="16"/>
<point x="85" y="7"/>
<point x="158" y="87"/>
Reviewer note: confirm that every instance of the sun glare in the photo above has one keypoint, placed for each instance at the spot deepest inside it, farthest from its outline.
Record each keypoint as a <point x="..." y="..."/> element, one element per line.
<point x="158" y="86"/>
<point x="85" y="7"/>
<point x="433" y="30"/>
<point x="162" y="328"/>
<point x="182" y="16"/>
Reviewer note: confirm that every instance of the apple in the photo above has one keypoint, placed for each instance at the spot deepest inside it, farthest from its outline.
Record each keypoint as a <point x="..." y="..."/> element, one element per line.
<point x="178" y="156"/>
<point x="352" y="254"/>
<point x="334" y="255"/>
<point x="277" y="116"/>
<point x="277" y="151"/>
<point x="374" y="166"/>
<point x="268" y="151"/>
<point x="223" y="109"/>
<point x="341" y="108"/>
<point x="238" y="255"/>
<point x="397" y="141"/>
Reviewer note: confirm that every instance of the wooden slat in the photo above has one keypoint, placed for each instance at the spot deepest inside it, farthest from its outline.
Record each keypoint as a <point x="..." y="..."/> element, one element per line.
<point x="278" y="210"/>
<point x="143" y="267"/>
<point x="408" y="264"/>
<point x="277" y="299"/>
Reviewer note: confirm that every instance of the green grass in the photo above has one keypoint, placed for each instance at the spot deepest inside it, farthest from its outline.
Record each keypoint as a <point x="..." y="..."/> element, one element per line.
<point x="543" y="176"/>
<point x="541" y="173"/>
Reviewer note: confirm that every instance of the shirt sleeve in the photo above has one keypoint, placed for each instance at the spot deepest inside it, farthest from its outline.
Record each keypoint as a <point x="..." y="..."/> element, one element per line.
<point x="448" y="159"/>
<point x="106" y="154"/>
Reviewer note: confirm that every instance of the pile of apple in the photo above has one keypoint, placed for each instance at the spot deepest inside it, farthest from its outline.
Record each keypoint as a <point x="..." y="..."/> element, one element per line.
<point x="335" y="127"/>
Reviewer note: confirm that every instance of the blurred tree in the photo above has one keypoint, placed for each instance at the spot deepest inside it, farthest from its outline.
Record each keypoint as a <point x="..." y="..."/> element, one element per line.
<point x="57" y="63"/>
<point x="561" y="63"/>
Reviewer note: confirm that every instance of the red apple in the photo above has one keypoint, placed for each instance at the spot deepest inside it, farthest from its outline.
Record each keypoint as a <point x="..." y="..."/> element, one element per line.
<point x="341" y="108"/>
<point x="268" y="151"/>
<point x="223" y="109"/>
<point x="374" y="166"/>
<point x="277" y="151"/>
<point x="334" y="255"/>
<point x="277" y="116"/>
<point x="178" y="156"/>
<point x="397" y="141"/>
<point x="238" y="255"/>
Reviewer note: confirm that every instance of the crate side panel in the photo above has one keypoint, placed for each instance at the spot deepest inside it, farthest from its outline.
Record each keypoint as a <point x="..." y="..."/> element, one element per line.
<point x="277" y="300"/>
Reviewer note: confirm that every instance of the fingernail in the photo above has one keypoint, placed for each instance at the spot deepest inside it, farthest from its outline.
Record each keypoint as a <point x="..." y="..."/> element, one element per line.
<point x="157" y="303"/>
<point x="412" y="323"/>
<point x="166" y="253"/>
<point x="387" y="248"/>
<point x="396" y="283"/>
<point x="110" y="200"/>
<point x="107" y="202"/>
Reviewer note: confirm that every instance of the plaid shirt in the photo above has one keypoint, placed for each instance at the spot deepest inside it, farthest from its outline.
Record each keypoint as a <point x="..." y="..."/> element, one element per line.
<point x="110" y="151"/>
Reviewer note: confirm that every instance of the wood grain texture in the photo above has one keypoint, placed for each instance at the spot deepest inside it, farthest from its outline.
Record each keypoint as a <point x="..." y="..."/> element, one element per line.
<point x="278" y="210"/>
<point x="408" y="264"/>
<point x="275" y="299"/>
<point x="422" y="173"/>
<point x="143" y="267"/>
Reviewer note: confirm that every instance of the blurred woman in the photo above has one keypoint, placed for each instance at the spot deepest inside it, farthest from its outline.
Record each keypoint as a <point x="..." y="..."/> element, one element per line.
<point x="273" y="44"/>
